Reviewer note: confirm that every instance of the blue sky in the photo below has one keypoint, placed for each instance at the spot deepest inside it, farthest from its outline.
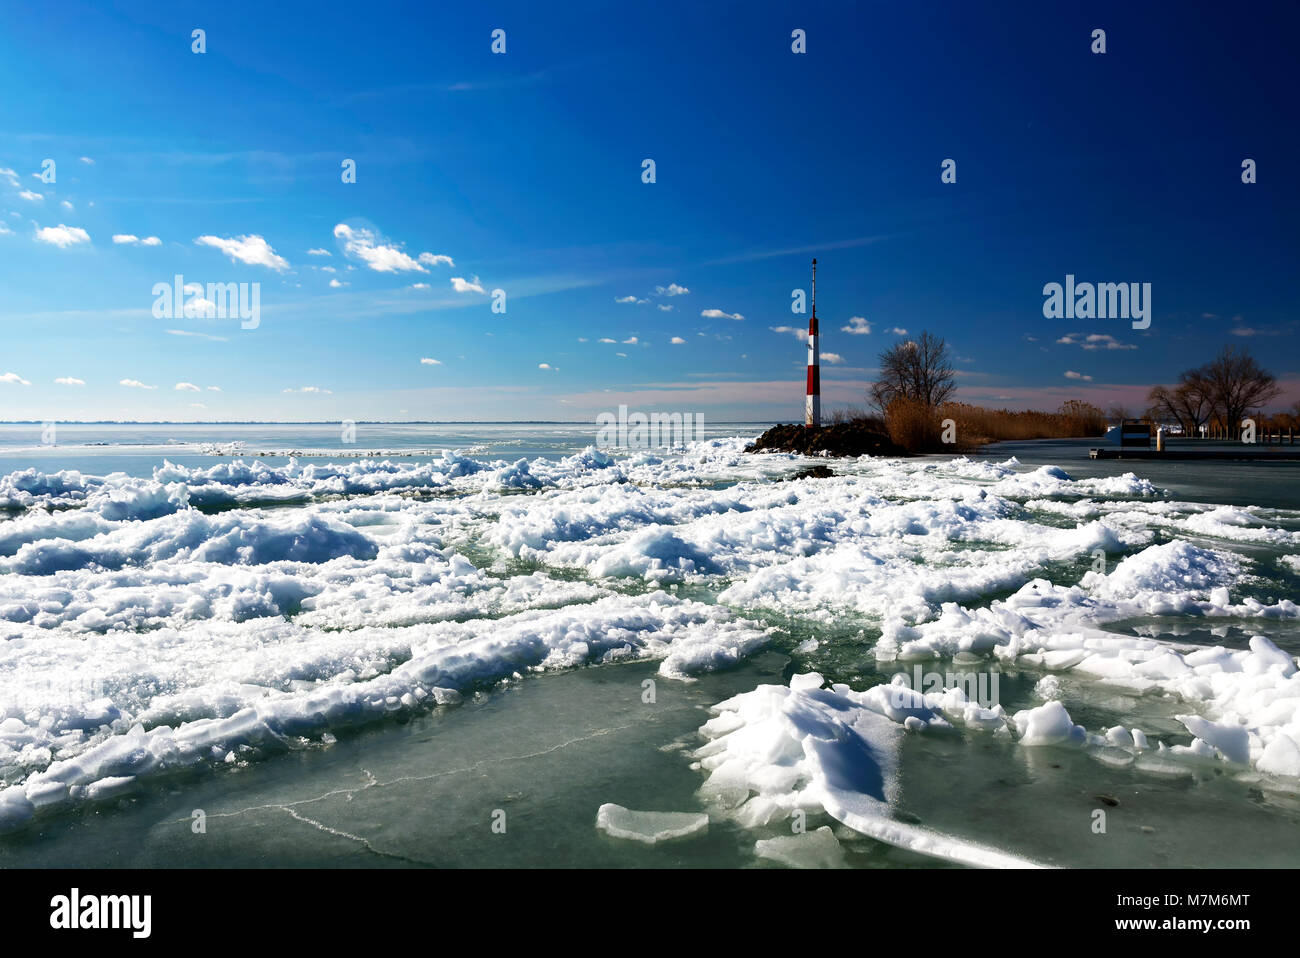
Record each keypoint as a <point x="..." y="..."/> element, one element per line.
<point x="524" y="169"/>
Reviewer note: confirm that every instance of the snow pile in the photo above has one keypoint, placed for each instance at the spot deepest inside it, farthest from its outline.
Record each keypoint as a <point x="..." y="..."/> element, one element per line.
<point x="779" y="749"/>
<point x="171" y="705"/>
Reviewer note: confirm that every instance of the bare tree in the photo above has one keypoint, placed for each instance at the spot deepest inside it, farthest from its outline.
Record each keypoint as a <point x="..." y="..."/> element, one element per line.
<point x="920" y="371"/>
<point x="1190" y="403"/>
<point x="1237" y="384"/>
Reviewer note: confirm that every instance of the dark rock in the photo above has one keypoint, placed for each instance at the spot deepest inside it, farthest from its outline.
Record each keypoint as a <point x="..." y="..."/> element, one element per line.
<point x="855" y="438"/>
<point x="812" y="472"/>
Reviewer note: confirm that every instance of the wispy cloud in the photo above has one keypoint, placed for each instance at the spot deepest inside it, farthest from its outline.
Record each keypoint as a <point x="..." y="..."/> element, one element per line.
<point x="196" y="335"/>
<point x="720" y="314"/>
<point x="794" y="250"/>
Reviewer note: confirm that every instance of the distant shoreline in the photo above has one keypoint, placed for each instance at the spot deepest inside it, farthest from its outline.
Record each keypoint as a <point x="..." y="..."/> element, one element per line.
<point x="327" y="422"/>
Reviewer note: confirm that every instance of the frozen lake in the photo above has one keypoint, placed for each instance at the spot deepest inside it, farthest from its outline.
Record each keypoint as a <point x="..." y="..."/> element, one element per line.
<point x="442" y="659"/>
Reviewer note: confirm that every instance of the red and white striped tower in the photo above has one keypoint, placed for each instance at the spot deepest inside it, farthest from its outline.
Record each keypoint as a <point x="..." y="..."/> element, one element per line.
<point x="812" y="410"/>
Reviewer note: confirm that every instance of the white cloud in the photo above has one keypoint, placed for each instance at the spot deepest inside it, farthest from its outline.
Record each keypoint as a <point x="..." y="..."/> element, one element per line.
<point x="134" y="384"/>
<point x="1094" y="341"/>
<point x="420" y="286"/>
<point x="5" y="230"/>
<point x="11" y="176"/>
<point x="672" y="289"/>
<point x="833" y="358"/>
<point x="858" y="326"/>
<point x="67" y="206"/>
<point x="197" y="405"/>
<point x="665" y="307"/>
<point x="381" y="257"/>
<point x="1071" y="374"/>
<point x="677" y="340"/>
<point x="251" y="249"/>
<point x="214" y="389"/>
<point x="62" y="236"/>
<point x="151" y="241"/>
<point x="31" y="197"/>
<point x="582" y="339"/>
<point x="426" y="361"/>
<point x="335" y="284"/>
<point x="187" y="387"/>
<point x="631" y="341"/>
<point x="70" y="381"/>
<point x="14" y="378"/>
<point x="606" y="339"/>
<point x="624" y="355"/>
<point x="461" y="285"/>
<point x="87" y="160"/>
<point x="311" y="389"/>
<point x="719" y="314"/>
<point x="125" y="239"/>
<point x="432" y="259"/>
<point x="546" y="366"/>
<point x="319" y="252"/>
<point x="795" y="331"/>
<point x="625" y="299"/>
<point x="897" y="330"/>
<point x="198" y="306"/>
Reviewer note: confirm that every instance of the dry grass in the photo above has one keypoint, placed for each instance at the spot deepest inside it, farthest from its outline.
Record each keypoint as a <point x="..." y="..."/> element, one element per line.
<point x="915" y="427"/>
<point x="918" y="428"/>
<point x="977" y="425"/>
<point x="912" y="425"/>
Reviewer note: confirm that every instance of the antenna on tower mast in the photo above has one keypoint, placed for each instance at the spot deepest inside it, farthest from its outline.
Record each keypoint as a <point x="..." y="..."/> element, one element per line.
<point x="814" y="287"/>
